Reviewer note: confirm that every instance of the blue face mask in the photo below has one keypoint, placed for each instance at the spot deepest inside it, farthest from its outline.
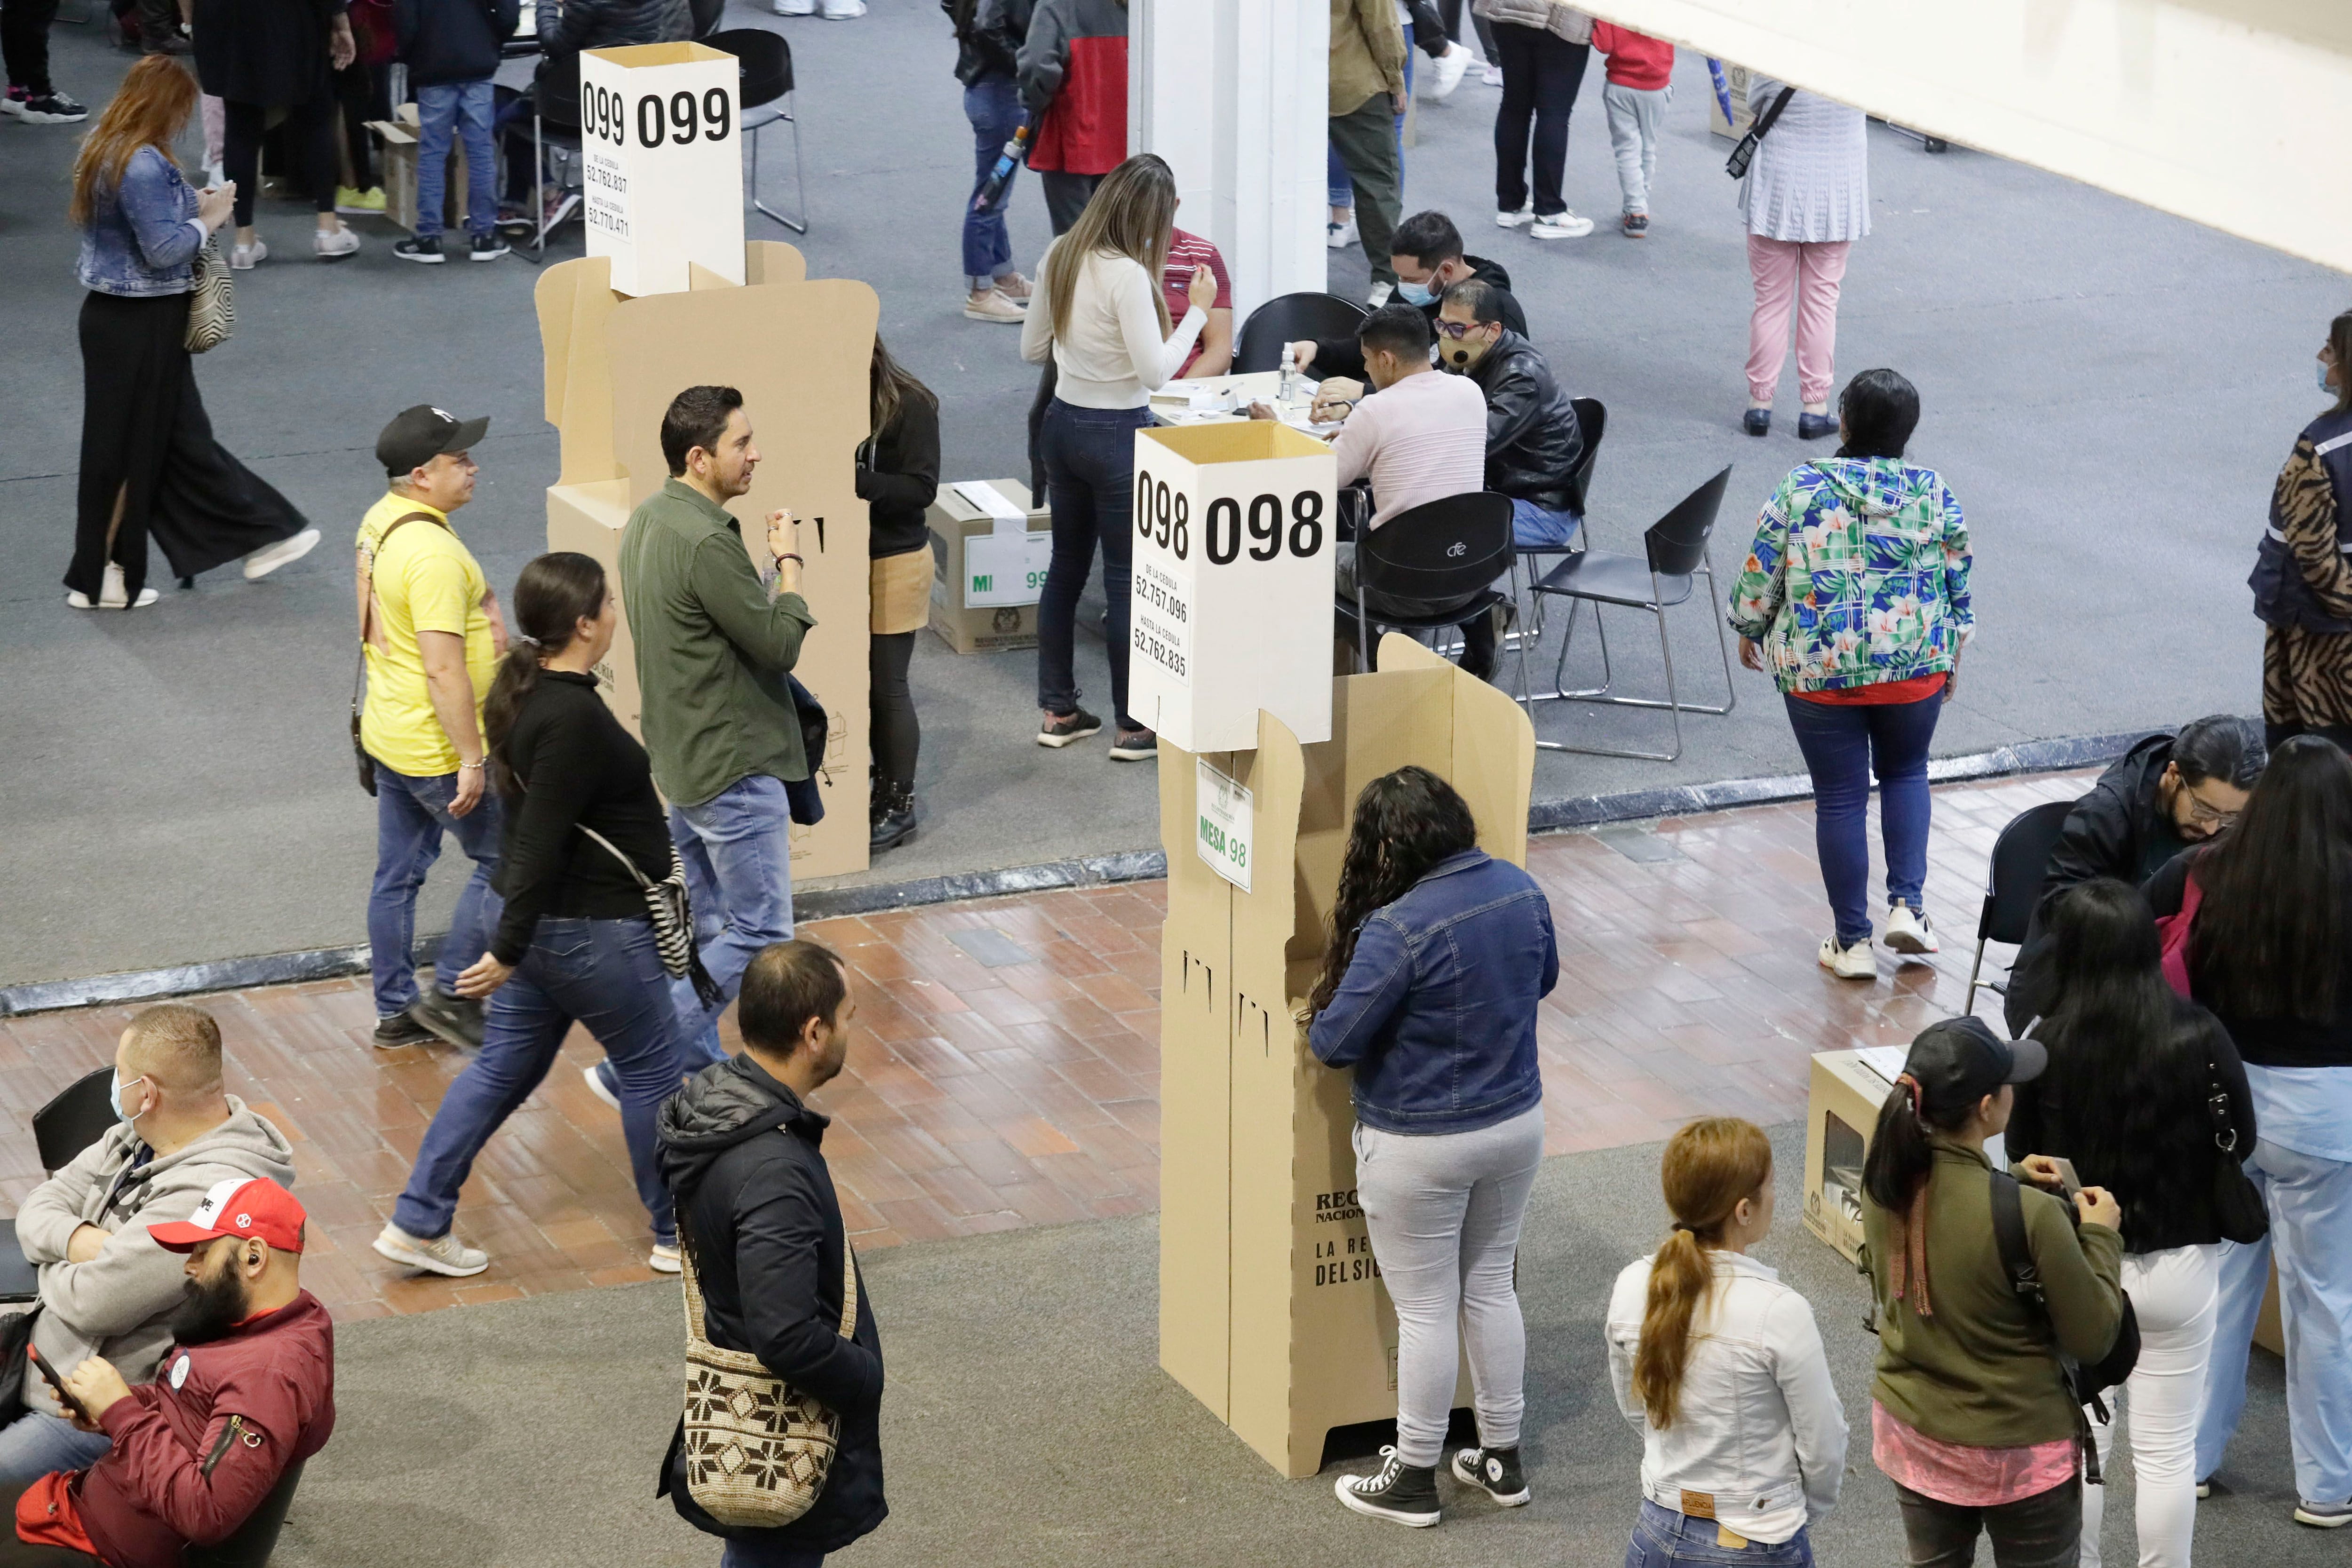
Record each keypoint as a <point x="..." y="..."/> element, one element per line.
<point x="2322" y="367"/>
<point x="1416" y="293"/>
<point x="114" y="1095"/>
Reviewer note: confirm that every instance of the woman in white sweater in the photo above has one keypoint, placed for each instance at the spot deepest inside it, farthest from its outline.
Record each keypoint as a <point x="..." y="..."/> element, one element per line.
<point x="1807" y="200"/>
<point x="1099" y="313"/>
<point x="1720" y="1367"/>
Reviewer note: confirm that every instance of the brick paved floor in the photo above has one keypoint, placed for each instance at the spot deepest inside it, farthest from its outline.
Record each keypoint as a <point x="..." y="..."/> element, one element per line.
<point x="993" y="1089"/>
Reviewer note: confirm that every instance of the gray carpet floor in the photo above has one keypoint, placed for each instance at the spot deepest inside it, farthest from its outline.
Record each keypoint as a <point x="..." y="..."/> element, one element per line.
<point x="1027" y="1423"/>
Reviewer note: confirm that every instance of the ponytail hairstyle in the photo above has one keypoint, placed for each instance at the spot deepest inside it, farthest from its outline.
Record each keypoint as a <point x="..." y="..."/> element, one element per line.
<point x="552" y="596"/>
<point x="1406" y="822"/>
<point x="1899" y="1158"/>
<point x="1709" y="1166"/>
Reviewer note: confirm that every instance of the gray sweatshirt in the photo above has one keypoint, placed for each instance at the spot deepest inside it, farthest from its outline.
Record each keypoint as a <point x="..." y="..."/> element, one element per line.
<point x="118" y="1305"/>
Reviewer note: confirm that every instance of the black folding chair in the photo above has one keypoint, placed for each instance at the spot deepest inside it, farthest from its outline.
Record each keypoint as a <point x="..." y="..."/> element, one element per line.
<point x="2020" y="864"/>
<point x="252" y="1542"/>
<point x="1591" y="424"/>
<point x="1448" y="552"/>
<point x="767" y="98"/>
<point x="1286" y="319"/>
<point x="1674" y="557"/>
<point x="554" y="123"/>
<point x="75" y="1118"/>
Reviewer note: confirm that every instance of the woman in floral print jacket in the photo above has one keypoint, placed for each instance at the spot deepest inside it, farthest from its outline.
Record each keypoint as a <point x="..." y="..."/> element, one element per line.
<point x="1855" y="597"/>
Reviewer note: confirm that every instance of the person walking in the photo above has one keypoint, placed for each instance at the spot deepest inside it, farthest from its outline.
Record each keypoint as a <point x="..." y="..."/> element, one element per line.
<point x="1720" y="1367"/>
<point x="716" y="642"/>
<point x="898" y="476"/>
<point x="1806" y="197"/>
<point x="1449" y="1117"/>
<point x="1542" y="48"/>
<point x="766" y="1251"/>
<point x="1972" y="1415"/>
<point x="431" y="635"/>
<point x="262" y="57"/>
<point x="574" y="944"/>
<point x="1071" y="62"/>
<point x="1106" y="328"/>
<point x="2267" y="909"/>
<point x="2302" y="579"/>
<point x="452" y="49"/>
<point x="1639" y="84"/>
<point x="24" y="49"/>
<point x="1367" y="93"/>
<point x="1855" y="596"/>
<point x="989" y="69"/>
<point x="150" y="464"/>
<point x="2146" y="1097"/>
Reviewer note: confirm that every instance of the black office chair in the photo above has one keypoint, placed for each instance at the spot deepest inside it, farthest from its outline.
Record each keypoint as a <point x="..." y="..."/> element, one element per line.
<point x="706" y="15"/>
<point x="554" y="121"/>
<point x="75" y="1118"/>
<point x="2020" y="863"/>
<point x="767" y="99"/>
<point x="1286" y="319"/>
<point x="1674" y="557"/>
<point x="256" y="1538"/>
<point x="1446" y="551"/>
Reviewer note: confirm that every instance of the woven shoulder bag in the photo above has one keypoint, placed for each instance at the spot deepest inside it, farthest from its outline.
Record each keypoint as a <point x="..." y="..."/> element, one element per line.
<point x="756" y="1451"/>
<point x="212" y="300"/>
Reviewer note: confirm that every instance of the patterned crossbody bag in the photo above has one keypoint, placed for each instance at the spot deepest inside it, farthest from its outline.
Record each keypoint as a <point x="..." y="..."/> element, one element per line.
<point x="673" y="916"/>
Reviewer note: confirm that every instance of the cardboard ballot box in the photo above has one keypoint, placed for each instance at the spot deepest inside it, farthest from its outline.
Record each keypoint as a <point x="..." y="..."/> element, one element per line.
<point x="399" y="137"/>
<point x="991" y="544"/>
<point x="662" y="162"/>
<point x="1272" y="1312"/>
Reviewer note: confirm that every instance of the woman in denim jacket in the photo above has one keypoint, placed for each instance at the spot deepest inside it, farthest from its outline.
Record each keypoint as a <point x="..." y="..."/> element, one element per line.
<point x="1438" y="956"/>
<point x="149" y="462"/>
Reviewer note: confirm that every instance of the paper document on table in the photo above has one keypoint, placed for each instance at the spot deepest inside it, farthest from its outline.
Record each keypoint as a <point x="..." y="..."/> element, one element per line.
<point x="1886" y="1061"/>
<point x="982" y="495"/>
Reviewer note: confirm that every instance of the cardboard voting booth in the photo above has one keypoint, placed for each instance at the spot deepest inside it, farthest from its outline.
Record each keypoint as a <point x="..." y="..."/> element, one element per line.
<point x="799" y="351"/>
<point x="401" y="141"/>
<point x="991" y="544"/>
<point x="1232" y="582"/>
<point x="1271" y="1308"/>
<point x="662" y="164"/>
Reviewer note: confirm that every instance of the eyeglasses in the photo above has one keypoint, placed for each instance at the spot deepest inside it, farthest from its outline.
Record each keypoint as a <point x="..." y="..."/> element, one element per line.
<point x="2205" y="815"/>
<point x="1457" y="330"/>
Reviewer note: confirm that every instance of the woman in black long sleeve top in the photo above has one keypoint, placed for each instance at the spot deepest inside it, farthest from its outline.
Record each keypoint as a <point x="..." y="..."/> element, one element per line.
<point x="897" y="474"/>
<point x="2145" y="1095"/>
<point x="575" y="941"/>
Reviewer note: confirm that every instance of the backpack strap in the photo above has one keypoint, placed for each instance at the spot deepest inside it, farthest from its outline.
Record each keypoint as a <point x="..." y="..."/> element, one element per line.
<point x="2009" y="1236"/>
<point x="366" y="564"/>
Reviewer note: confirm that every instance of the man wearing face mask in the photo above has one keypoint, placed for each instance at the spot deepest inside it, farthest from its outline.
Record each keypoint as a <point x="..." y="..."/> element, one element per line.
<point x="106" y="1289"/>
<point x="1429" y="259"/>
<point x="1533" y="443"/>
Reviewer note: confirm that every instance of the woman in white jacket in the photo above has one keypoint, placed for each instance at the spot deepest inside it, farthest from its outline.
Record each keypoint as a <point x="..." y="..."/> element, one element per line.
<point x="1719" y="1365"/>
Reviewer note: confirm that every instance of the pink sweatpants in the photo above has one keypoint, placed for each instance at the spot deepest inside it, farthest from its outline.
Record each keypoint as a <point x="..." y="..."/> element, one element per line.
<point x="1789" y="273"/>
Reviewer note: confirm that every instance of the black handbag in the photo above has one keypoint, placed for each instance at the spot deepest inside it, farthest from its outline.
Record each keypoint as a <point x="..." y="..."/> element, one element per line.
<point x="16" y="1338"/>
<point x="2238" y="1212"/>
<point x="1744" y="153"/>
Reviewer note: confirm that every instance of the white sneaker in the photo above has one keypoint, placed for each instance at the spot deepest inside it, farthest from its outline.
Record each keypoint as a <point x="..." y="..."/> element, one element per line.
<point x="442" y="1255"/>
<point x="1339" y="235"/>
<point x="994" y="306"/>
<point x="1446" y="72"/>
<point x="1492" y="77"/>
<point x="111" y="594"/>
<point x="265" y="560"/>
<point x="1910" y="933"/>
<point x="843" y="10"/>
<point x="241" y="257"/>
<point x="794" y="7"/>
<point x="1561" y="225"/>
<point x="1855" y="962"/>
<point x="597" y="1086"/>
<point x="336" y="244"/>
<point x="666" y="1260"/>
<point x="1519" y="219"/>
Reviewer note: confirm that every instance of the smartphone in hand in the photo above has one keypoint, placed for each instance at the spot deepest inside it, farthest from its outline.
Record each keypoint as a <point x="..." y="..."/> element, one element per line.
<point x="50" y="1375"/>
<point x="2068" y="1182"/>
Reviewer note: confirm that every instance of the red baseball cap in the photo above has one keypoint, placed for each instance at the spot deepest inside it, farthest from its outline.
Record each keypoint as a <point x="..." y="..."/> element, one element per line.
<point x="251" y="1206"/>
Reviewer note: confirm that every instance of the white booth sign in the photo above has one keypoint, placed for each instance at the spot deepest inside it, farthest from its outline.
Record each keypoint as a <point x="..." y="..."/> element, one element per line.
<point x="1224" y="824"/>
<point x="662" y="145"/>
<point x="1232" y="607"/>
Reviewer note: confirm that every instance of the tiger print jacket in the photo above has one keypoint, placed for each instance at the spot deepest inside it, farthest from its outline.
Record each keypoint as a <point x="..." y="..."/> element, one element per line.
<point x="2307" y="661"/>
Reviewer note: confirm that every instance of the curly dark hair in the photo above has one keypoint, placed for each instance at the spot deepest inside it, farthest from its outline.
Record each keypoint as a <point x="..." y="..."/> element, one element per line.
<point x="1406" y="822"/>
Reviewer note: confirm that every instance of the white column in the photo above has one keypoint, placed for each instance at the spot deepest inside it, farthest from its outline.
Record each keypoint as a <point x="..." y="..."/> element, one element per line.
<point x="1232" y="93"/>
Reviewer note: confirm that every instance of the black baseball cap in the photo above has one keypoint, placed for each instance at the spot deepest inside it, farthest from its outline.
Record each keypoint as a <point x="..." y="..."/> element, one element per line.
<point x="1959" y="1061"/>
<point x="418" y="436"/>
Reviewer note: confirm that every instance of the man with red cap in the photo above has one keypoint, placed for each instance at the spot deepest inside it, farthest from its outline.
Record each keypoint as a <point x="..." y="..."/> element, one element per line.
<point x="245" y="1394"/>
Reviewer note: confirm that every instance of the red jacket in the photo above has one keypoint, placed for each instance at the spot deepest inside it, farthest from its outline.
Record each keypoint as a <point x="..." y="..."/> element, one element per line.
<point x="1073" y="72"/>
<point x="196" y="1450"/>
<point x="1635" y="59"/>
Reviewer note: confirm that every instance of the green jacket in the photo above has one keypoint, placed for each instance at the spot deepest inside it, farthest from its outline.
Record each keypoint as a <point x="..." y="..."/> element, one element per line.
<point x="1979" y="1370"/>
<point x="712" y="648"/>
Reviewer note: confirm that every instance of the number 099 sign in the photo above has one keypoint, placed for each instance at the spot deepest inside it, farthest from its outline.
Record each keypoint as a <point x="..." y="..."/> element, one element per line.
<point x="1232" y="607"/>
<point x="661" y="143"/>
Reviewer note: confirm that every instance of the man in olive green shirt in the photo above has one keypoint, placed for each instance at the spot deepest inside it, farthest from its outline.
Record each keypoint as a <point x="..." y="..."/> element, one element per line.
<point x="715" y="640"/>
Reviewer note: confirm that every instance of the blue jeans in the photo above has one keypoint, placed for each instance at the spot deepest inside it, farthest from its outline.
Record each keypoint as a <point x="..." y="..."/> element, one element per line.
<point x="2310" y="1204"/>
<point x="1089" y="456"/>
<point x="994" y="106"/>
<point x="1662" y="1539"/>
<point x="1844" y="746"/>
<point x="737" y="846"/>
<point x="1536" y="527"/>
<point x="464" y="108"/>
<point x="605" y="975"/>
<point x="34" y="1444"/>
<point x="411" y="815"/>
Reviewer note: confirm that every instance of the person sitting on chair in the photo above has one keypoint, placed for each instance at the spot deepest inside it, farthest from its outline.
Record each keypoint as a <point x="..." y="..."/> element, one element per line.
<point x="1533" y="442"/>
<point x="1429" y="259"/>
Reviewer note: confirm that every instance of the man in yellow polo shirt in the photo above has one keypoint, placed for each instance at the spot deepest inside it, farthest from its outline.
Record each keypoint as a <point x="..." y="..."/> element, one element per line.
<point x="434" y="636"/>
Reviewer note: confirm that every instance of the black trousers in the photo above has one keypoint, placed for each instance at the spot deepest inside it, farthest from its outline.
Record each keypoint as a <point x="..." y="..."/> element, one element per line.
<point x="24" y="43"/>
<point x="1541" y="75"/>
<point x="309" y="135"/>
<point x="895" y="735"/>
<point x="363" y="94"/>
<point x="2044" y="1530"/>
<point x="144" y="429"/>
<point x="1066" y="197"/>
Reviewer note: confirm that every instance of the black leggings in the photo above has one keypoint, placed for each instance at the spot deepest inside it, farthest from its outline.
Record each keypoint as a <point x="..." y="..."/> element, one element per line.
<point x="310" y="133"/>
<point x="25" y="41"/>
<point x="361" y="94"/>
<point x="895" y="735"/>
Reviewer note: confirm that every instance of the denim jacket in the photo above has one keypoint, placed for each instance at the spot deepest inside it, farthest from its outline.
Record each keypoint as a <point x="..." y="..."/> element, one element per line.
<point x="142" y="235"/>
<point x="1437" y="1010"/>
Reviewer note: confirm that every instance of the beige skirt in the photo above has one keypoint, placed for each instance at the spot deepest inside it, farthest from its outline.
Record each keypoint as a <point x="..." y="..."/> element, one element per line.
<point x="900" y="590"/>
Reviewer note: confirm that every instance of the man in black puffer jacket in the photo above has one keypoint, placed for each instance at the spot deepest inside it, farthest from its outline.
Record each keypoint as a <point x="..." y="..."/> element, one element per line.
<point x="762" y="1234"/>
<point x="1533" y="443"/>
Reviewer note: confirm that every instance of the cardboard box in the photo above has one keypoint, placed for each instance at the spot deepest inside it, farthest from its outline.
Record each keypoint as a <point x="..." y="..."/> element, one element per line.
<point x="399" y="138"/>
<point x="1731" y="129"/>
<point x="1840" y="1115"/>
<point x="984" y="599"/>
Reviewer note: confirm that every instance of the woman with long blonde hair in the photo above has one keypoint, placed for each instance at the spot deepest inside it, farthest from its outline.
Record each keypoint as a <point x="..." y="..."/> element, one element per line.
<point x="1100" y="317"/>
<point x="1720" y="1367"/>
<point x="149" y="462"/>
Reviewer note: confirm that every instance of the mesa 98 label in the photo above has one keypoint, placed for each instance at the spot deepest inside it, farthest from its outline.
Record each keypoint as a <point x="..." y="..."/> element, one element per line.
<point x="1265" y="523"/>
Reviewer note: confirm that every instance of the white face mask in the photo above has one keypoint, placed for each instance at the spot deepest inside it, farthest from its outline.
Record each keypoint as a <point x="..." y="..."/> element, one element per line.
<point x="114" y="1095"/>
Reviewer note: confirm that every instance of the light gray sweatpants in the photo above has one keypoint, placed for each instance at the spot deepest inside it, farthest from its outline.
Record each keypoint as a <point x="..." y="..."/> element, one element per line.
<point x="1443" y="1210"/>
<point x="1635" y="116"/>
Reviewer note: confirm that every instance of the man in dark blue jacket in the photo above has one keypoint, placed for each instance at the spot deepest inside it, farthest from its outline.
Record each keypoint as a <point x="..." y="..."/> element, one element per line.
<point x="764" y="1242"/>
<point x="451" y="49"/>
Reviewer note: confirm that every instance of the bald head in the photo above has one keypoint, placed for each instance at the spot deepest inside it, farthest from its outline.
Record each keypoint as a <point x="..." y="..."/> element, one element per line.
<point x="177" y="1046"/>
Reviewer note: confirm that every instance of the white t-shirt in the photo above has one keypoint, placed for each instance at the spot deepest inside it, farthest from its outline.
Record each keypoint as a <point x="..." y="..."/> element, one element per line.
<point x="1111" y="354"/>
<point x="1421" y="439"/>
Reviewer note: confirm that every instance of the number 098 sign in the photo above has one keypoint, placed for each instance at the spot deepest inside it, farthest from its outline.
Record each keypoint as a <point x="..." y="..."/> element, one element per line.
<point x="661" y="143"/>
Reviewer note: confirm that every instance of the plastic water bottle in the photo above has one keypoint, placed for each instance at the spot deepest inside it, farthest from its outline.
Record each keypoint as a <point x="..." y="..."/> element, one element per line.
<point x="1001" y="174"/>
<point x="1288" y="390"/>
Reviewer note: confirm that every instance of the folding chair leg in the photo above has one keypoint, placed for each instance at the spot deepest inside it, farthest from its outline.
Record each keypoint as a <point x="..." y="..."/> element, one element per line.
<point x="1969" y="1006"/>
<point x="800" y="178"/>
<point x="538" y="188"/>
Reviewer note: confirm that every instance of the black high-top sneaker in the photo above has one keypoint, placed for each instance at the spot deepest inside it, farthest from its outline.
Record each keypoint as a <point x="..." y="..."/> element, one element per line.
<point x="1399" y="1491"/>
<point x="1495" y="1471"/>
